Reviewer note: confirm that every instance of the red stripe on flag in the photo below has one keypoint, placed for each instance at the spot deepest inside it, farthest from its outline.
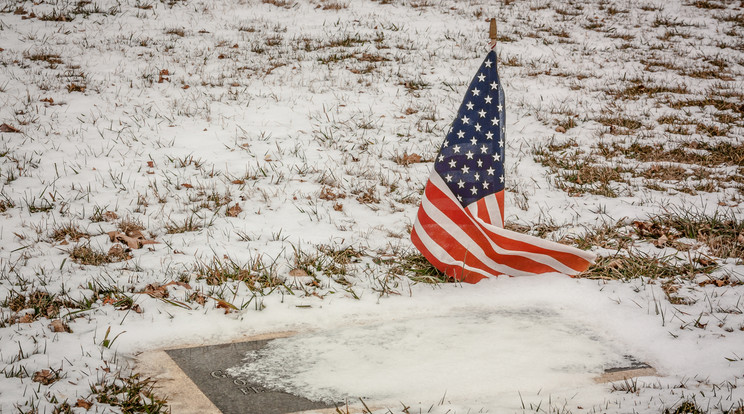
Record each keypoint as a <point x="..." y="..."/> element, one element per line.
<point x="466" y="247"/>
<point x="500" y="201"/>
<point x="450" y="270"/>
<point x="474" y="232"/>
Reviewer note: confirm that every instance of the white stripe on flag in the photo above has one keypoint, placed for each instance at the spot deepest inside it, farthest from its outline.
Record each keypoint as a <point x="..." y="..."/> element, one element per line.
<point x="456" y="232"/>
<point x="441" y="254"/>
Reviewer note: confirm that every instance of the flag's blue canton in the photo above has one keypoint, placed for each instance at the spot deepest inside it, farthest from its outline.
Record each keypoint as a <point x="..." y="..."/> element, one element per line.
<point x="471" y="160"/>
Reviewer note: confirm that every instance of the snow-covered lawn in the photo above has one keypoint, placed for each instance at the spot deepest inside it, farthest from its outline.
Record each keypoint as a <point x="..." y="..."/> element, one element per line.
<point x="195" y="171"/>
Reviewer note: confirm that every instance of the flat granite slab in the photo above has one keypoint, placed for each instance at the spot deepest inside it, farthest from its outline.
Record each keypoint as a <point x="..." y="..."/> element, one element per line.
<point x="195" y="380"/>
<point x="206" y="367"/>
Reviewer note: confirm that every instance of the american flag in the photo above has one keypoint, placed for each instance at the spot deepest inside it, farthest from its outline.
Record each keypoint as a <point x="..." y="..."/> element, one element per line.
<point x="460" y="223"/>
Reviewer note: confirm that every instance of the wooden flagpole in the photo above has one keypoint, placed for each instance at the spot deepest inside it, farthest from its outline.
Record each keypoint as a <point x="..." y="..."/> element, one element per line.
<point x="492" y="33"/>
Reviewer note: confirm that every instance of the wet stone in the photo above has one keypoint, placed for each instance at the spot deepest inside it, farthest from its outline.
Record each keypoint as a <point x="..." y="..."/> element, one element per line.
<point x="207" y="366"/>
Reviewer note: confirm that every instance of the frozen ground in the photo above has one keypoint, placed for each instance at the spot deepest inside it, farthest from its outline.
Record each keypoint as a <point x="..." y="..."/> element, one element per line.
<point x="264" y="160"/>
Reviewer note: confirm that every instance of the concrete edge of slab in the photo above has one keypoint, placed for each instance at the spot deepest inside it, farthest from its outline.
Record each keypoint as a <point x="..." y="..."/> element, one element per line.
<point x="181" y="394"/>
<point x="625" y="374"/>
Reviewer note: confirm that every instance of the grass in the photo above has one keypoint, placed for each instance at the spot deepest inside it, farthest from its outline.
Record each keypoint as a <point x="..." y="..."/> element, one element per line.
<point x="43" y="304"/>
<point x="637" y="264"/>
<point x="417" y="268"/>
<point x="722" y="232"/>
<point x="130" y="394"/>
<point x="190" y="223"/>
<point x="685" y="407"/>
<point x="86" y="255"/>
<point x="69" y="231"/>
<point x="257" y="276"/>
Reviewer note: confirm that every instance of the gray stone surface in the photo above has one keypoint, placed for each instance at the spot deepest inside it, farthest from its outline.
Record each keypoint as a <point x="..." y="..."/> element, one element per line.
<point x="206" y="367"/>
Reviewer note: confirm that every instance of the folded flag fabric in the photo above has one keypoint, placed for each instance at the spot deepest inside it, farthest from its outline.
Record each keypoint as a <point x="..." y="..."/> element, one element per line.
<point x="459" y="227"/>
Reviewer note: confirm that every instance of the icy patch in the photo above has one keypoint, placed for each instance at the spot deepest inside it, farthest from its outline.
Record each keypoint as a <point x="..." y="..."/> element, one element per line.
<point x="477" y="356"/>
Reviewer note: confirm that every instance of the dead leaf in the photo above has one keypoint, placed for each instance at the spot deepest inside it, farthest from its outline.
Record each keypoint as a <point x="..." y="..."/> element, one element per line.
<point x="238" y="182"/>
<point x="661" y="241"/>
<point x="137" y="308"/>
<point x="150" y="164"/>
<point x="327" y="194"/>
<point x="741" y="238"/>
<point x="228" y="307"/>
<point x="406" y="159"/>
<point x="234" y="211"/>
<point x="83" y="404"/>
<point x="58" y="326"/>
<point x="117" y="253"/>
<point x="297" y="272"/>
<point x="706" y="261"/>
<point x="45" y="377"/>
<point x="199" y="298"/>
<point x="134" y="240"/>
<point x="560" y="129"/>
<point x="8" y="128"/>
<point x="110" y="216"/>
<point x="187" y="186"/>
<point x="26" y="318"/>
<point x="182" y="284"/>
<point x="155" y="291"/>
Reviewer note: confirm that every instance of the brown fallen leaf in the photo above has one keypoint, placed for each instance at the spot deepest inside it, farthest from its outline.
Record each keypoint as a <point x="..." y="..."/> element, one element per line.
<point x="186" y="185"/>
<point x="328" y="194"/>
<point x="228" y="307"/>
<point x="8" y="128"/>
<point x="135" y="239"/>
<point x="238" y="181"/>
<point x="26" y="318"/>
<point x="83" y="404"/>
<point x="182" y="284"/>
<point x="661" y="241"/>
<point x="297" y="272"/>
<point x="110" y="216"/>
<point x="45" y="377"/>
<point x="560" y="129"/>
<point x="58" y="326"/>
<point x="137" y="308"/>
<point x="117" y="253"/>
<point x="156" y="291"/>
<point x="406" y="159"/>
<point x="706" y="261"/>
<point x="234" y="211"/>
<point x="199" y="298"/>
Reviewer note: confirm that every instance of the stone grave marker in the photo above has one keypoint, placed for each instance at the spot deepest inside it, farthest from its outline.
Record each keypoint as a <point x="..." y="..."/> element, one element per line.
<point x="206" y="366"/>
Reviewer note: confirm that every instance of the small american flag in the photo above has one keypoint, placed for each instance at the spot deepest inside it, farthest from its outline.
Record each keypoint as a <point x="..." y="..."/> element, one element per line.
<point x="460" y="223"/>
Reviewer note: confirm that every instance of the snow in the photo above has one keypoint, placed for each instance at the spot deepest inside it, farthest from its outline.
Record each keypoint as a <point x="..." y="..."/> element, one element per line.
<point x="190" y="103"/>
